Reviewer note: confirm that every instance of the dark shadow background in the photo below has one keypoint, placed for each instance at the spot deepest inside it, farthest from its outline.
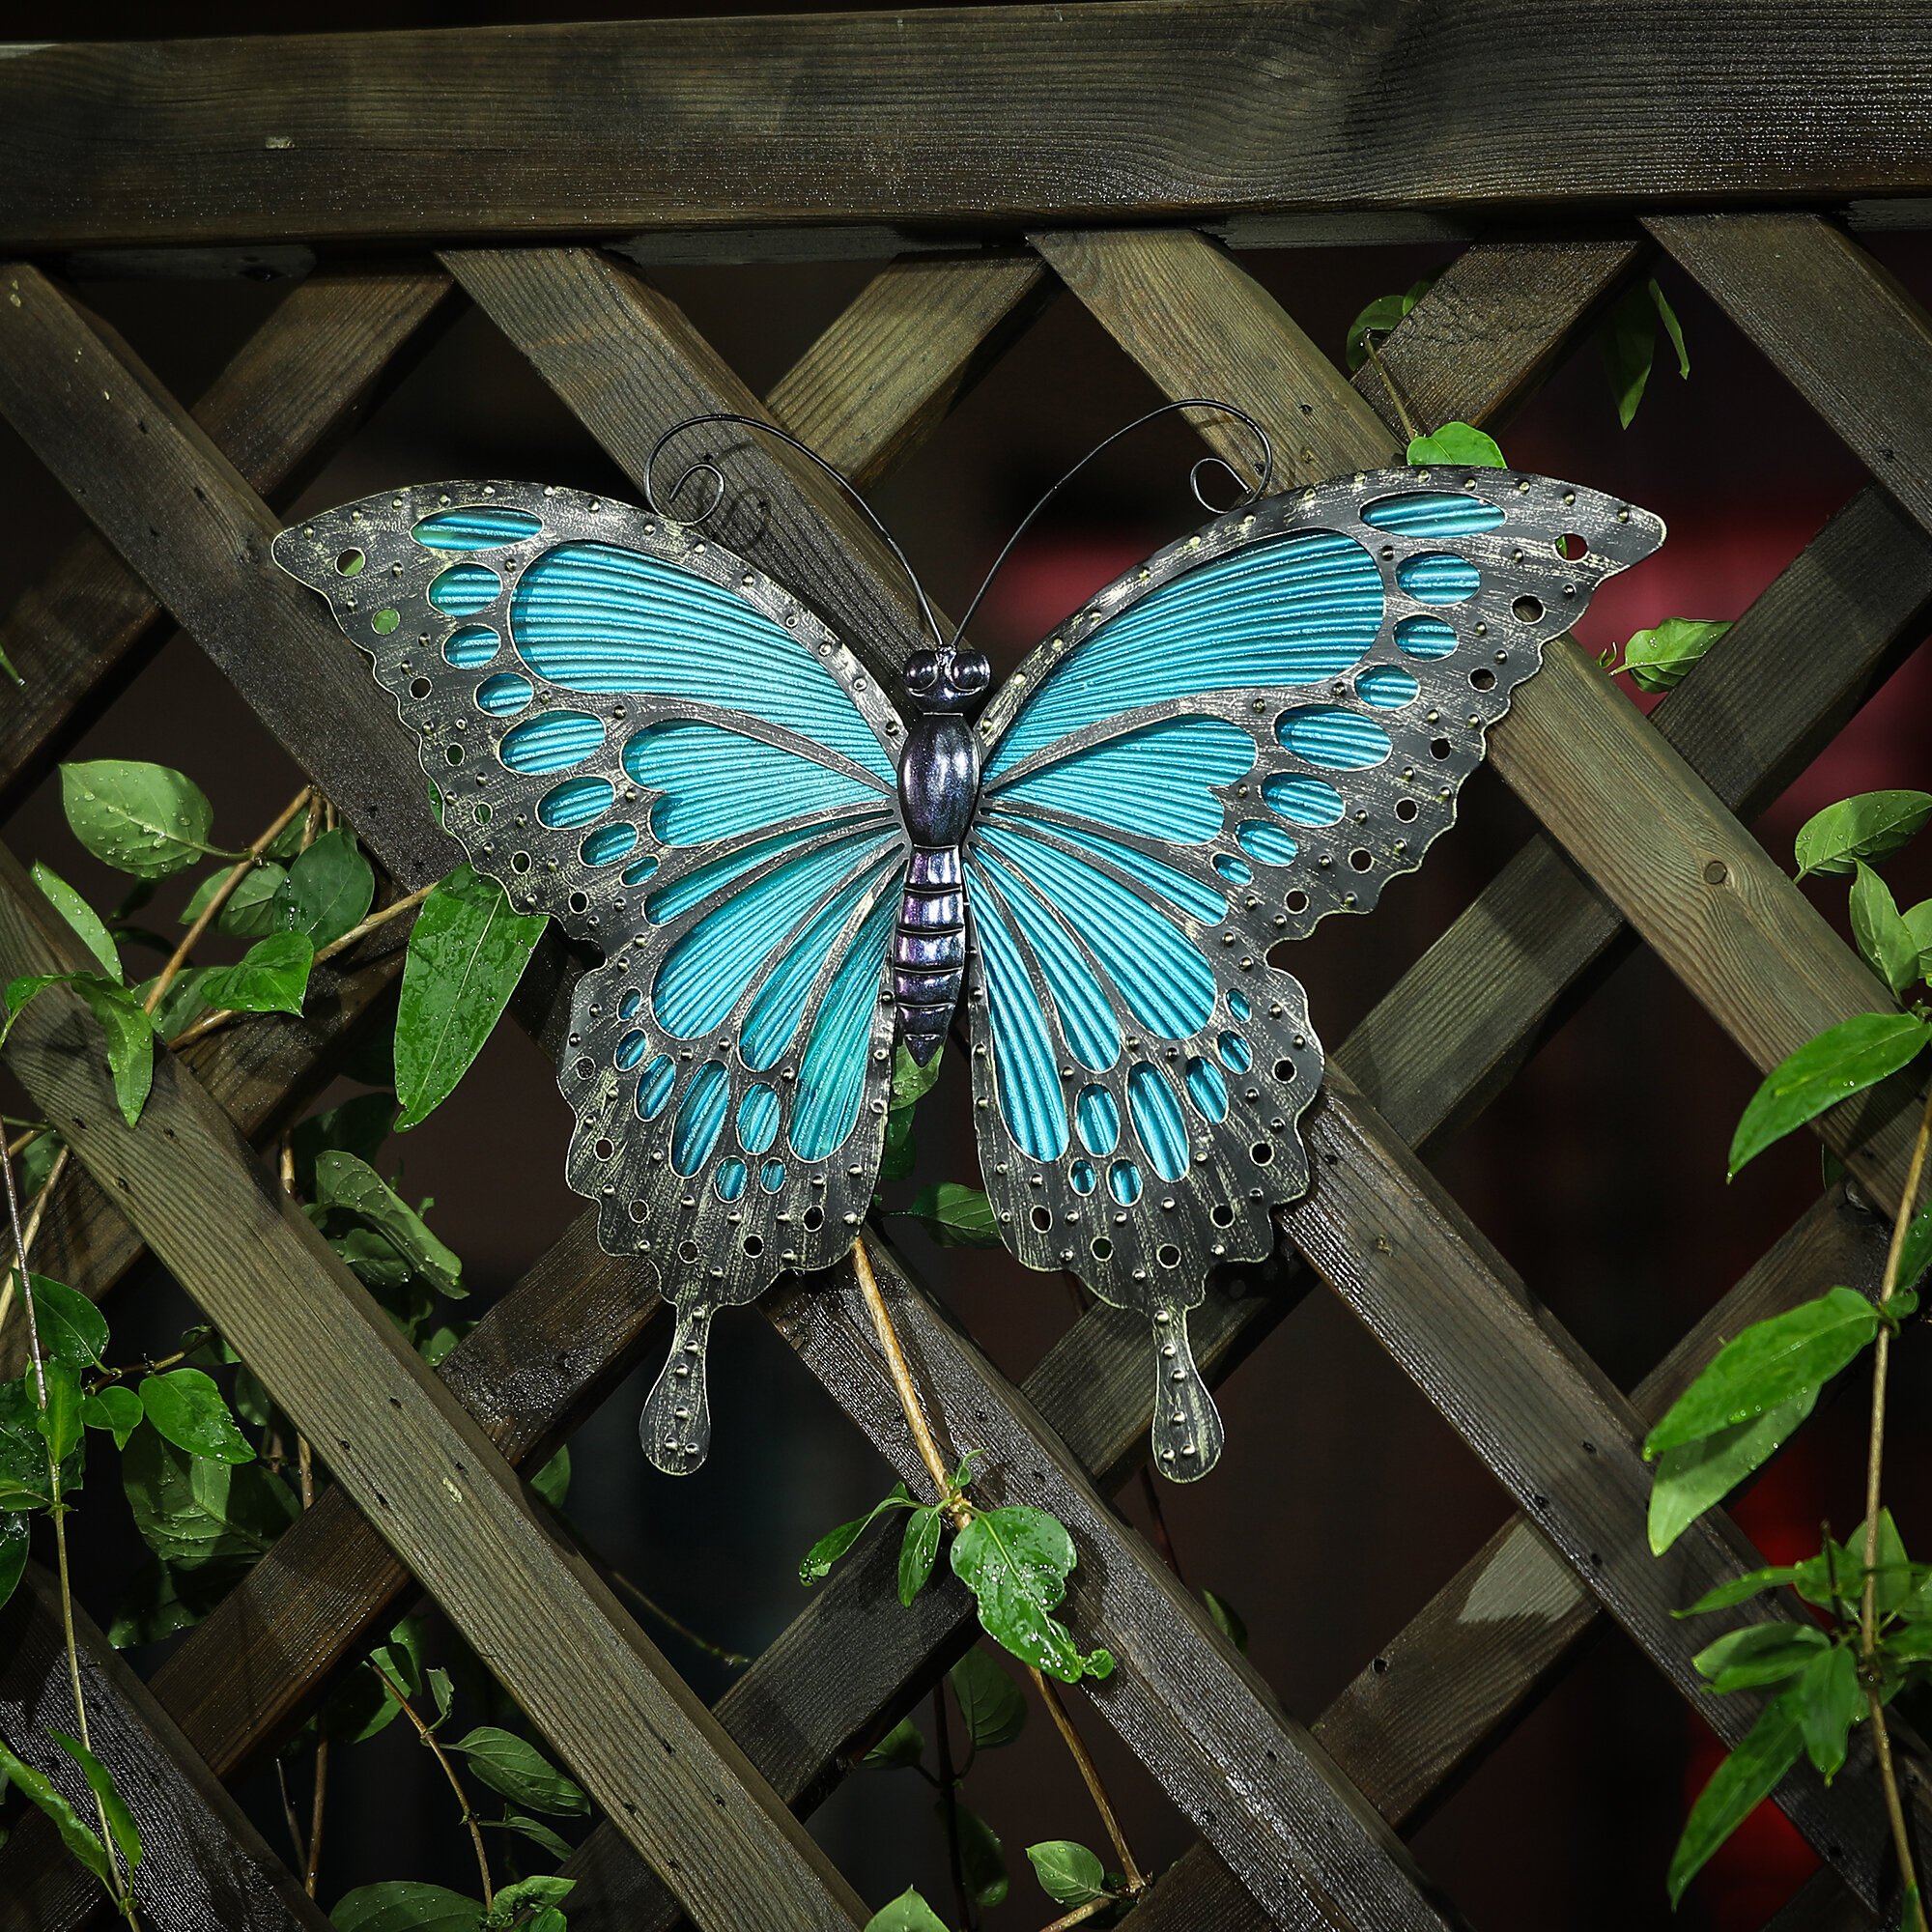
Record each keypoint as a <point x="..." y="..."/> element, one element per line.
<point x="1343" y="1502"/>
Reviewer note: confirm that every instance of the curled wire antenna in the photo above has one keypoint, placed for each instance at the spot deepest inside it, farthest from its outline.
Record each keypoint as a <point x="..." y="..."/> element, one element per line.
<point x="1194" y="475"/>
<point x="706" y="467"/>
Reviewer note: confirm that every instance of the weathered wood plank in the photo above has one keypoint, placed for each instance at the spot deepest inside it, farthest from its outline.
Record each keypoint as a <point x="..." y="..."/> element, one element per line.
<point x="1496" y="321"/>
<point x="905" y="354"/>
<point x="626" y="361"/>
<point x="1545" y="1421"/>
<point x="962" y="119"/>
<point x="202" y="1862"/>
<point x="181" y="515"/>
<point x="296" y="388"/>
<point x="423" y="1470"/>
<point x="1838" y="327"/>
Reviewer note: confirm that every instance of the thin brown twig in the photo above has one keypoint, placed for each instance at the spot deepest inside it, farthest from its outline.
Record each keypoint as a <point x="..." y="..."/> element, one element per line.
<point x="26" y="1240"/>
<point x="948" y="1804"/>
<point x="1090" y="1772"/>
<point x="736" y="1659"/>
<point x="957" y="1510"/>
<point x="1080" y="1913"/>
<point x="442" y="1758"/>
<point x="289" y="1809"/>
<point x="1388" y="383"/>
<point x="212" y="911"/>
<point x="1874" y="1465"/>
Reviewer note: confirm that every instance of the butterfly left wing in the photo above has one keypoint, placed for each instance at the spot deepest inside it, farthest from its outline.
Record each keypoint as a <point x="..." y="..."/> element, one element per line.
<point x="1259" y="727"/>
<point x="641" y="735"/>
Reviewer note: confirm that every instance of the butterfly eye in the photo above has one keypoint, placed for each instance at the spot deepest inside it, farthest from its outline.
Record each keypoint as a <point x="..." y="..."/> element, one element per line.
<point x="921" y="671"/>
<point x="971" y="672"/>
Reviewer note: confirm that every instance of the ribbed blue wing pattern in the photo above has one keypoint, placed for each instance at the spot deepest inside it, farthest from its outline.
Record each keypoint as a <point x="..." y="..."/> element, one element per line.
<point x="641" y="734"/>
<point x="1256" y="727"/>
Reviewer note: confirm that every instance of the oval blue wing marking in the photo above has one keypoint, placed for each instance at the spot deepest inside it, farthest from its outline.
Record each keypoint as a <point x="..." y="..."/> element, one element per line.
<point x="1432" y="512"/>
<point x="1439" y="578"/>
<point x="1286" y="611"/>
<point x="474" y="529"/>
<point x="591" y="617"/>
<point x="719" y="783"/>
<point x="552" y="741"/>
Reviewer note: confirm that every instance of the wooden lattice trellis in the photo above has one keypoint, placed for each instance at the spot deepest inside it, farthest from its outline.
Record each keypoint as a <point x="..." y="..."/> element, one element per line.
<point x="1159" y="121"/>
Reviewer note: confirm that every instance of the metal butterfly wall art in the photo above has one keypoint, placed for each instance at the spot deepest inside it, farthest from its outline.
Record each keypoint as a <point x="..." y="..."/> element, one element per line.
<point x="789" y="871"/>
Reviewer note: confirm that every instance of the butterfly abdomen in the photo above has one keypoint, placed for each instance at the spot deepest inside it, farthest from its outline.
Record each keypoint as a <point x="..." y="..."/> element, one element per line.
<point x="929" y="949"/>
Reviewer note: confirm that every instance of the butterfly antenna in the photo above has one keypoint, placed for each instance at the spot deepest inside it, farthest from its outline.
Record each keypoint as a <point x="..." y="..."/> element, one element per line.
<point x="1248" y="497"/>
<point x="707" y="468"/>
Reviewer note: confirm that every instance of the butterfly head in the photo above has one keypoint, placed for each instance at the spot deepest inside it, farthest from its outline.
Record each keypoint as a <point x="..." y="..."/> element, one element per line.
<point x="948" y="680"/>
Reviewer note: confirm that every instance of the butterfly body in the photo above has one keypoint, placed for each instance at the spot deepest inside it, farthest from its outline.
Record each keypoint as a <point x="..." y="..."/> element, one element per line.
<point x="787" y="875"/>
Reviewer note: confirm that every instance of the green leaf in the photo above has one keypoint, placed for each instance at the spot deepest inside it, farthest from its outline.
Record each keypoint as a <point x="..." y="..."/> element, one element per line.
<point x="130" y="1041"/>
<point x="553" y="1481"/>
<point x="467" y="952"/>
<point x="983" y="1859"/>
<point x="161" y="1599"/>
<point x="1892" y="1571"/>
<point x="907" y="1913"/>
<point x="341" y="1181"/>
<point x="1739" y="1785"/>
<point x="1909" y="1915"/>
<point x="1380" y="317"/>
<point x="404" y="1905"/>
<point x="901" y="1747"/>
<point x="270" y="977"/>
<point x="58" y="1420"/>
<point x="72" y="1329"/>
<point x="358" y="1127"/>
<point x="442" y="1691"/>
<point x="244" y="913"/>
<point x="1659" y="659"/>
<point x="329" y="890"/>
<point x="1918" y="923"/>
<point x="82" y="918"/>
<point x="530" y="1827"/>
<point x="1070" y="1874"/>
<point x="1872" y="826"/>
<point x="1016" y="1561"/>
<point x="180" y="1004"/>
<point x="1880" y="931"/>
<point x="1457" y="442"/>
<point x="39" y="1789"/>
<point x="139" y="818"/>
<point x="1672" y="328"/>
<point x="1627" y="340"/>
<point x="187" y="1408"/>
<point x="197" y="1513"/>
<point x="1695" y="1475"/>
<point x="19" y="991"/>
<point x="1227" y="1620"/>
<point x="911" y="1082"/>
<point x="24" y="1484"/>
<point x="1841" y="1061"/>
<point x="101" y="1781"/>
<point x="919" y="1549"/>
<point x="955" y="1216"/>
<point x="1811" y="1578"/>
<point x="16" y="1534"/>
<point x="989" y="1700"/>
<point x="506" y="1763"/>
<point x="1768" y="1364"/>
<point x="37" y="1162"/>
<point x="526" y="1893"/>
<point x="1759" y="1654"/>
<point x="835" y="1542"/>
<point x="1829" y="1703"/>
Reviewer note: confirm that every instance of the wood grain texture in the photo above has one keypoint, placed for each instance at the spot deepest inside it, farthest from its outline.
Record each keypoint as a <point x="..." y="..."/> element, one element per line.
<point x="963" y="118"/>
<point x="306" y="378"/>
<point x="1200" y="325"/>
<point x="202" y="1862"/>
<point x="180" y="514"/>
<point x="1270" y="1802"/>
<point x="906" y="353"/>
<point x="423" y="1470"/>
<point x="1837" y="325"/>
<point x="1493" y="325"/>
<point x="629" y="365"/>
<point x="1500" y="1370"/>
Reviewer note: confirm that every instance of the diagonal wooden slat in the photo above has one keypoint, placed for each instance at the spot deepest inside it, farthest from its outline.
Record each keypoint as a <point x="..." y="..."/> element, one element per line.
<point x="202" y="1862"/>
<point x="422" y="1469"/>
<point x="908" y="351"/>
<point x="960" y="119"/>
<point x="307" y="377"/>
<point x="1837" y="324"/>
<point x="1648" y="831"/>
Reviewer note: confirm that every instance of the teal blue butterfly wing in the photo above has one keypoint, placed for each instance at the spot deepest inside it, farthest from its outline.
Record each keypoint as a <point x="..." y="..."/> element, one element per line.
<point x="641" y="735"/>
<point x="1259" y="727"/>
